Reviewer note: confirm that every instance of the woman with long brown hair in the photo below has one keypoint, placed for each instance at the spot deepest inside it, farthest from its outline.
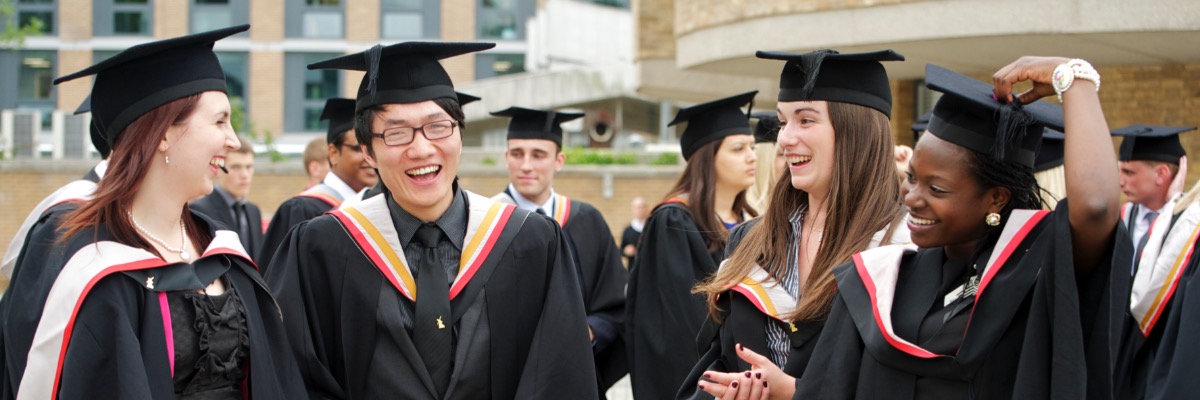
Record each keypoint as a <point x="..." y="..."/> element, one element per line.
<point x="683" y="241"/>
<point x="839" y="197"/>
<point x="152" y="300"/>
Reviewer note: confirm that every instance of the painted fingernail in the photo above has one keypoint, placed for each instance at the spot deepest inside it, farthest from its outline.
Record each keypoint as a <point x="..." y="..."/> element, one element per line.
<point x="707" y="376"/>
<point x="758" y="375"/>
<point x="701" y="386"/>
<point x="747" y="374"/>
<point x="733" y="385"/>
<point x="994" y="96"/>
<point x="739" y="346"/>
<point x="764" y="383"/>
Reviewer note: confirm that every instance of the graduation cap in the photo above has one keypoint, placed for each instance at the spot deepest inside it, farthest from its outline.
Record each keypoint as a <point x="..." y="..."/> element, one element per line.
<point x="921" y="124"/>
<point x="464" y="99"/>
<point x="340" y="113"/>
<point x="149" y="75"/>
<point x="827" y="75"/>
<point x="536" y="124"/>
<point x="766" y="130"/>
<point x="406" y="72"/>
<point x="98" y="140"/>
<point x="968" y="116"/>
<point x="713" y="121"/>
<point x="1151" y="143"/>
<point x="1050" y="154"/>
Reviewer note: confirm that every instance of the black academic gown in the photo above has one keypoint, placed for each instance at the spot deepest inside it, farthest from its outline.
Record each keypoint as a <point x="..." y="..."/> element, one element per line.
<point x="303" y="207"/>
<point x="1027" y="338"/>
<point x="214" y="206"/>
<point x="518" y="313"/>
<point x="746" y="323"/>
<point x="1170" y="374"/>
<point x="112" y="300"/>
<point x="663" y="317"/>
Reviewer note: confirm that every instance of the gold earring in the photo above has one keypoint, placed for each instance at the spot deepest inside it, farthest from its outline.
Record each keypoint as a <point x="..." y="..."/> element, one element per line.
<point x="992" y="219"/>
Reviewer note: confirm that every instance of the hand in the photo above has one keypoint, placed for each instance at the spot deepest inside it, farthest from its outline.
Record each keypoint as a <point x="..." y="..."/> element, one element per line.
<point x="735" y="385"/>
<point x="783" y="385"/>
<point x="1037" y="70"/>
<point x="630" y="250"/>
<point x="903" y="154"/>
<point x="1177" y="184"/>
<point x="591" y="335"/>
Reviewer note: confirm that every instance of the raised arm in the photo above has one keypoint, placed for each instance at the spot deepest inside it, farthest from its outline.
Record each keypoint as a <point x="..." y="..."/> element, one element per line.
<point x="1090" y="163"/>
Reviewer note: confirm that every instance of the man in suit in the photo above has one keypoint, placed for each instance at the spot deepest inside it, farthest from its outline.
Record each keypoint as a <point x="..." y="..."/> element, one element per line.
<point x="227" y="203"/>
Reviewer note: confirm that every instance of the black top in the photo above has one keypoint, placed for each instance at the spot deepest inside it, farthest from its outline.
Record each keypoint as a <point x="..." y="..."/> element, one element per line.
<point x="211" y="344"/>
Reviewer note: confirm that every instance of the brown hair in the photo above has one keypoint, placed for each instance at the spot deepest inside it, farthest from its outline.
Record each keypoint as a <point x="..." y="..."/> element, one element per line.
<point x="698" y="184"/>
<point x="245" y="146"/>
<point x="131" y="158"/>
<point x="864" y="198"/>
<point x="316" y="150"/>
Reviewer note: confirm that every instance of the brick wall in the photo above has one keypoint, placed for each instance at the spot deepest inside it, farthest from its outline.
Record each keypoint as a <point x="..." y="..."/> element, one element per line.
<point x="70" y="94"/>
<point x="654" y="30"/>
<point x="170" y="18"/>
<point x="458" y="25"/>
<point x="266" y="20"/>
<point x="79" y="13"/>
<point x="266" y="90"/>
<point x="362" y="20"/>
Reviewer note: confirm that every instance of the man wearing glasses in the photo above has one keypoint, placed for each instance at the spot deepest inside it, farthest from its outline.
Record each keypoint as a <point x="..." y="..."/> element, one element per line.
<point x="428" y="291"/>
<point x="349" y="173"/>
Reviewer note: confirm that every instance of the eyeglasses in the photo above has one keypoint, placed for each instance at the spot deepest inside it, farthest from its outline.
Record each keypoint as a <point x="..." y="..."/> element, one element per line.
<point x="404" y="135"/>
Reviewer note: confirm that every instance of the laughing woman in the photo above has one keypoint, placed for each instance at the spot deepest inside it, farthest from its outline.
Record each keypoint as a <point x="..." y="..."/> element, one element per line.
<point x="682" y="242"/>
<point x="839" y="196"/>
<point x="155" y="302"/>
<point x="988" y="306"/>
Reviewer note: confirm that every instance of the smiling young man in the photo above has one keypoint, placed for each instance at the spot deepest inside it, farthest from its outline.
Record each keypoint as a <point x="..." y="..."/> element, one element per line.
<point x="349" y="173"/>
<point x="428" y="291"/>
<point x="534" y="155"/>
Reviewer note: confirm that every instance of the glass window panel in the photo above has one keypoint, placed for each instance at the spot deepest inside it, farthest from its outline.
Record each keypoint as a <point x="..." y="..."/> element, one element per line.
<point x="322" y="24"/>
<point x="402" y="25"/>
<point x="503" y="4"/>
<point x="320" y="84"/>
<point x="36" y="73"/>
<point x="498" y="26"/>
<point x="24" y="18"/>
<point x="130" y="1"/>
<point x="212" y="2"/>
<point x="130" y="22"/>
<point x="322" y="3"/>
<point x="410" y="4"/>
<point x="35" y="2"/>
<point x="312" y="119"/>
<point x="206" y="19"/>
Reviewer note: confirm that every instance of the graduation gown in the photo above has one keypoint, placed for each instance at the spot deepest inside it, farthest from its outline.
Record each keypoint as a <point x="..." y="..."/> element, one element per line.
<point x="1173" y="318"/>
<point x="750" y="306"/>
<point x="80" y="190"/>
<point x="341" y="279"/>
<point x="106" y="330"/>
<point x="1028" y="332"/>
<point x="603" y="284"/>
<point x="663" y="317"/>
<point x="307" y="205"/>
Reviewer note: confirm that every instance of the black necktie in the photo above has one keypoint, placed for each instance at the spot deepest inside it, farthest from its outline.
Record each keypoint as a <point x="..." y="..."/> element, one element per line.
<point x="432" y="329"/>
<point x="243" y="225"/>
<point x="540" y="211"/>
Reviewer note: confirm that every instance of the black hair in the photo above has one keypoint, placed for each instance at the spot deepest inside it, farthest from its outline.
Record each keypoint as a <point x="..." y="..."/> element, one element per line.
<point x="362" y="119"/>
<point x="1024" y="191"/>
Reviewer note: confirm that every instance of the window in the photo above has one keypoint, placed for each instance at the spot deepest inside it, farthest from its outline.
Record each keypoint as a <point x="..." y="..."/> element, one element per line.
<point x="207" y="15"/>
<point x="236" y="69"/>
<point x="27" y="76"/>
<point x="490" y="65"/>
<point x="315" y="19"/>
<point x="29" y="10"/>
<point x="123" y="17"/>
<point x="305" y="91"/>
<point x="410" y="19"/>
<point x="503" y="19"/>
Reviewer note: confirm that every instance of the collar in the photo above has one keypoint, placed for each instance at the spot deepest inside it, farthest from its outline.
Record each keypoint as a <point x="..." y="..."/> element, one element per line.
<point x="453" y="222"/>
<point x="340" y="186"/>
<point x="637" y="224"/>
<point x="228" y="198"/>
<point x="526" y="204"/>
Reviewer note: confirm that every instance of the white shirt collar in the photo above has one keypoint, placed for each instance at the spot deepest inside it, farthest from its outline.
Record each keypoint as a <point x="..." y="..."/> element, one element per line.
<point x="526" y="204"/>
<point x="337" y="184"/>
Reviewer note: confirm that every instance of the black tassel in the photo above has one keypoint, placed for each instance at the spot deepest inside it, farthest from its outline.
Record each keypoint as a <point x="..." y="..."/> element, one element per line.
<point x="1012" y="126"/>
<point x="373" y="55"/>
<point x="810" y="65"/>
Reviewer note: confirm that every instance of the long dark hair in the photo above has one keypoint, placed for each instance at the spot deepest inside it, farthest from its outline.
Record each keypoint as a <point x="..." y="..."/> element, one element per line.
<point x="127" y="167"/>
<point x="864" y="198"/>
<point x="698" y="184"/>
<point x="1024" y="191"/>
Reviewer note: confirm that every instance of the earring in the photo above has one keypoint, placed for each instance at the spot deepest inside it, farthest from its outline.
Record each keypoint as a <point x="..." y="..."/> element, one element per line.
<point x="168" y="158"/>
<point x="992" y="219"/>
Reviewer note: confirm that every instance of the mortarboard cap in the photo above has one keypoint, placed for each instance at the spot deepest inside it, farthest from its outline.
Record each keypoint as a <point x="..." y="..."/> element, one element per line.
<point x="766" y="130"/>
<point x="98" y="140"/>
<point x="921" y="124"/>
<point x="1050" y="153"/>
<point x="712" y="121"/>
<point x="340" y="113"/>
<point x="827" y="75"/>
<point x="406" y="72"/>
<point x="464" y="99"/>
<point x="536" y="124"/>
<point x="1151" y="143"/>
<point x="149" y="75"/>
<point x="968" y="116"/>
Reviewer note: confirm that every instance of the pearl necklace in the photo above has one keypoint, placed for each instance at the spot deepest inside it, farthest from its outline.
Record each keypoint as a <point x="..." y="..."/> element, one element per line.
<point x="182" y="250"/>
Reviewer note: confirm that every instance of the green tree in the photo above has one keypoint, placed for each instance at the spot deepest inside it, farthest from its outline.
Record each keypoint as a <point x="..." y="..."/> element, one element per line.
<point x="14" y="33"/>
